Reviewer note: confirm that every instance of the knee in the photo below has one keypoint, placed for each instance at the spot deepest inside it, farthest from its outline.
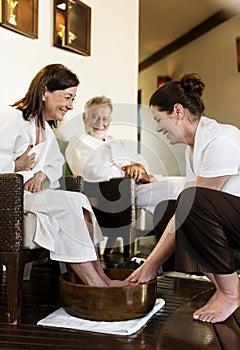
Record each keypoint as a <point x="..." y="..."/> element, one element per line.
<point x="185" y="204"/>
<point x="193" y="200"/>
<point x="195" y="196"/>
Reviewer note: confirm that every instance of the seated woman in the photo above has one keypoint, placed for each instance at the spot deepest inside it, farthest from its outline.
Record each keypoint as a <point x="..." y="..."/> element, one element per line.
<point x="206" y="225"/>
<point x="66" y="225"/>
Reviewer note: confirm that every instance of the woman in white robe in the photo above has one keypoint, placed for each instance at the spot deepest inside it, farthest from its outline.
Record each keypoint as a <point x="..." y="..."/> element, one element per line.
<point x="66" y="225"/>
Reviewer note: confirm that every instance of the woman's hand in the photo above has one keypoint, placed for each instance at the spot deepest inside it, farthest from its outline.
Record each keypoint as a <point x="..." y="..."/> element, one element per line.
<point x="145" y="273"/>
<point x="25" y="162"/>
<point x="35" y="183"/>
<point x="136" y="171"/>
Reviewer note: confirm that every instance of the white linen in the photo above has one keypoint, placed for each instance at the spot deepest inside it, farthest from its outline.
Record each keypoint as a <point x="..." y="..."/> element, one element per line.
<point x="62" y="319"/>
<point x="216" y="153"/>
<point x="97" y="160"/>
<point x="60" y="225"/>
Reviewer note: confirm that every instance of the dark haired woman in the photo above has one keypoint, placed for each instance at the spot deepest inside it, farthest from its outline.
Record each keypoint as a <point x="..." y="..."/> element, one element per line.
<point x="66" y="225"/>
<point x="206" y="225"/>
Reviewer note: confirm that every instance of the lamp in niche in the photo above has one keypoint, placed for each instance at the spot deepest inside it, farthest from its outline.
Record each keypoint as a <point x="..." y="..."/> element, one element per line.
<point x="61" y="35"/>
<point x="72" y="26"/>
<point x="62" y="6"/>
<point x="162" y="79"/>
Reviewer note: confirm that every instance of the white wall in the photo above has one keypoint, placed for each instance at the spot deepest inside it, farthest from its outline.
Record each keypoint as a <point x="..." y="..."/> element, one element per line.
<point x="112" y="68"/>
<point x="213" y="56"/>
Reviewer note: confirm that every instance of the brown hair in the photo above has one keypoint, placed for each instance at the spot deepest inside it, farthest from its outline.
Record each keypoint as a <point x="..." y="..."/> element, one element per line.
<point x="187" y="91"/>
<point x="54" y="77"/>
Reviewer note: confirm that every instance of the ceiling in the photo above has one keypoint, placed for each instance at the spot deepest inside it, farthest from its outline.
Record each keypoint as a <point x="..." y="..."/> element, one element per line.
<point x="163" y="21"/>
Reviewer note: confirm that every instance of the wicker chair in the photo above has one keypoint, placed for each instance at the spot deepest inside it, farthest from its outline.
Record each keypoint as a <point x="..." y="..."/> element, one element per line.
<point x="113" y="203"/>
<point x="13" y="254"/>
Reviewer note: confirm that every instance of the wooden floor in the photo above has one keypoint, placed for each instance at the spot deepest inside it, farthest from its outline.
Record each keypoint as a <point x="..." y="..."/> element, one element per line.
<point x="171" y="328"/>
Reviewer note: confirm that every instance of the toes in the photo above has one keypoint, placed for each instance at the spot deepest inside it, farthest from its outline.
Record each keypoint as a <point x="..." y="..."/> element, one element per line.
<point x="196" y="316"/>
<point x="198" y="312"/>
<point x="207" y="317"/>
<point x="204" y="318"/>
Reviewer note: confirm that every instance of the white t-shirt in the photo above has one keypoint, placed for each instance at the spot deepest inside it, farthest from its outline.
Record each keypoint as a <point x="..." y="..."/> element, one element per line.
<point x="216" y="152"/>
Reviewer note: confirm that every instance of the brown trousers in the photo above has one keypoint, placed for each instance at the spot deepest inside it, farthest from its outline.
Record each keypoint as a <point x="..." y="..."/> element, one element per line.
<point x="207" y="230"/>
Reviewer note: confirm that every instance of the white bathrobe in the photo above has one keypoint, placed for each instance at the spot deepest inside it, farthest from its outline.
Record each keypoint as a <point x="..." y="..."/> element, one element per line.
<point x="97" y="160"/>
<point x="61" y="227"/>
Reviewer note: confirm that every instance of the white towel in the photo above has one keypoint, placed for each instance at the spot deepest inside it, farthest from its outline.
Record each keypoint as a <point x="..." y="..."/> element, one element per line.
<point x="60" y="318"/>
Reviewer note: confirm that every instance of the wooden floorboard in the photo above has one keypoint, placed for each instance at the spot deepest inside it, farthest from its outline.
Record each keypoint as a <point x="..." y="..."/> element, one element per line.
<point x="171" y="328"/>
<point x="228" y="332"/>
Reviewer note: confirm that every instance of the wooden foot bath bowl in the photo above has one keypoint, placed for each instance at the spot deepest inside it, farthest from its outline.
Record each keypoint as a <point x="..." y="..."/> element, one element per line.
<point x="107" y="303"/>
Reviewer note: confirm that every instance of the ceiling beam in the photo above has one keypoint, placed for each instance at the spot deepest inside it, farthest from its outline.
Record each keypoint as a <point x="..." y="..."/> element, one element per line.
<point x="185" y="39"/>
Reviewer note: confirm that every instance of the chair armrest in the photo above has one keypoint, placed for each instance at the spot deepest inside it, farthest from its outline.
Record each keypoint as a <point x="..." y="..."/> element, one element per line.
<point x="115" y="197"/>
<point x="72" y="183"/>
<point x="120" y="188"/>
<point x="11" y="212"/>
<point x="11" y="207"/>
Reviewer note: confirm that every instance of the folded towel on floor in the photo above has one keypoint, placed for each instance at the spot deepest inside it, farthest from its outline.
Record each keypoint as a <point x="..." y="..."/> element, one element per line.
<point x="60" y="318"/>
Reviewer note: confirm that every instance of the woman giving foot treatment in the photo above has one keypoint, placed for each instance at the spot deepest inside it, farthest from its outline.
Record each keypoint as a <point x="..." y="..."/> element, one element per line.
<point x="205" y="227"/>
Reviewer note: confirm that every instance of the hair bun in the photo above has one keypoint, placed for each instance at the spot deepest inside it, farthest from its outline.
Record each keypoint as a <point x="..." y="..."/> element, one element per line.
<point x="192" y="84"/>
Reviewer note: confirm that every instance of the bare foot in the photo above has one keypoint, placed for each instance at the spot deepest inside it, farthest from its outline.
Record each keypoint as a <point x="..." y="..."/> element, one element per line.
<point x="88" y="275"/>
<point x="119" y="283"/>
<point x="220" y="309"/>
<point x="205" y="307"/>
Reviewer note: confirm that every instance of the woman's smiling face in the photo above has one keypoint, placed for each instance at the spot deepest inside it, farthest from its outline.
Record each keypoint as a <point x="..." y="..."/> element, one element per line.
<point x="57" y="103"/>
<point x="170" y="125"/>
